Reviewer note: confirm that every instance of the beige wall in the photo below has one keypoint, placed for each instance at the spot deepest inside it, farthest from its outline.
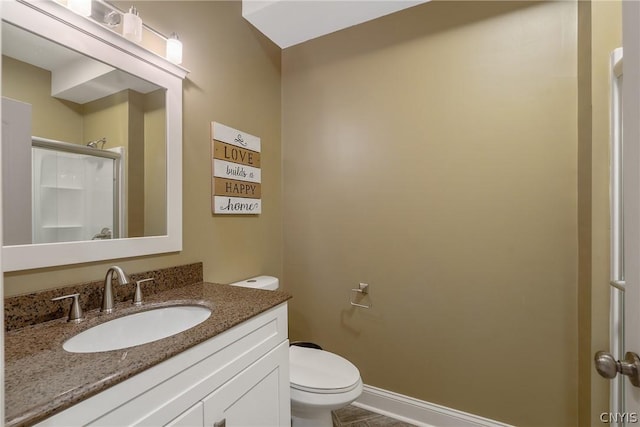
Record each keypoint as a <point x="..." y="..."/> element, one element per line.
<point x="107" y="117"/>
<point x="52" y="118"/>
<point x="234" y="79"/>
<point x="155" y="162"/>
<point x="135" y="165"/>
<point x="432" y="154"/>
<point x="584" y="214"/>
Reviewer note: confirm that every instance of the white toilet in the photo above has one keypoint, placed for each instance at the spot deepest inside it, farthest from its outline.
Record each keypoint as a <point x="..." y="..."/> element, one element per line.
<point x="320" y="381"/>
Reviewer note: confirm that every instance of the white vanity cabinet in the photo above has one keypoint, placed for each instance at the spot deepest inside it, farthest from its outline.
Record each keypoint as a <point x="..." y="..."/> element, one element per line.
<point x="250" y="398"/>
<point x="193" y="416"/>
<point x="238" y="378"/>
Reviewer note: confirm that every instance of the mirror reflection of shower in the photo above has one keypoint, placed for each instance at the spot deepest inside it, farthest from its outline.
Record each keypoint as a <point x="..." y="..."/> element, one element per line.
<point x="76" y="192"/>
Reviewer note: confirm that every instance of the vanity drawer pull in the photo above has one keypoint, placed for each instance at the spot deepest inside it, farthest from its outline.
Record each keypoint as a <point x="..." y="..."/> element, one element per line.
<point x="221" y="423"/>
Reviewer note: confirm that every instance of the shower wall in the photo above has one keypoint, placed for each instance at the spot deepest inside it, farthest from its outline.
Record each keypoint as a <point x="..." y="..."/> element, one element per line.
<point x="73" y="196"/>
<point x="433" y="155"/>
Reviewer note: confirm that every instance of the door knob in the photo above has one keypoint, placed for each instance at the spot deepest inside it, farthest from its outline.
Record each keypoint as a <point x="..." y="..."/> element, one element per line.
<point x="608" y="367"/>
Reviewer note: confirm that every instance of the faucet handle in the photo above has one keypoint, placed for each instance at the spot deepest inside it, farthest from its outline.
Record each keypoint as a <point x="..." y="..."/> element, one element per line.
<point x="137" y="297"/>
<point x="75" y="313"/>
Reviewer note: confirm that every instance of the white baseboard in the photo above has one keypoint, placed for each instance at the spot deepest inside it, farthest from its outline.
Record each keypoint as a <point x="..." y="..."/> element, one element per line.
<point x="418" y="412"/>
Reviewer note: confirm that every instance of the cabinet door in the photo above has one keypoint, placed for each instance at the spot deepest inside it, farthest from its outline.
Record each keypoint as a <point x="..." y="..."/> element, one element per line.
<point x="256" y="397"/>
<point x="192" y="417"/>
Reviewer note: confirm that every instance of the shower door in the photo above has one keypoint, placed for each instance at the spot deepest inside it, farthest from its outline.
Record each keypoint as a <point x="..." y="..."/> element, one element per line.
<point x="76" y="192"/>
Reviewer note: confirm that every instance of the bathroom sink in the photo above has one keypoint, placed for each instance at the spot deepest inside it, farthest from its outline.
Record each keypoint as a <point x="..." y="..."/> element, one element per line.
<point x="138" y="328"/>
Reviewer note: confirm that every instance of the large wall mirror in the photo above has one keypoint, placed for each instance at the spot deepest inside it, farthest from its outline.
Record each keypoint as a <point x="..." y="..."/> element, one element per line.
<point x="91" y="142"/>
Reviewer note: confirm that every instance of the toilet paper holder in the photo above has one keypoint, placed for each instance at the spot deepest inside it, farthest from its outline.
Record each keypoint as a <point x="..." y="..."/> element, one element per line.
<point x="363" y="289"/>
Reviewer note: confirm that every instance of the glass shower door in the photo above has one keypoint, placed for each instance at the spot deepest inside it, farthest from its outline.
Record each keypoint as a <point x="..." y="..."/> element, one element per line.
<point x="75" y="196"/>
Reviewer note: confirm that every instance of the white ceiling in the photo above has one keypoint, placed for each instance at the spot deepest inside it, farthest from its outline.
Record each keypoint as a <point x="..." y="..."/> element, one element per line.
<point x="74" y="77"/>
<point x="289" y="22"/>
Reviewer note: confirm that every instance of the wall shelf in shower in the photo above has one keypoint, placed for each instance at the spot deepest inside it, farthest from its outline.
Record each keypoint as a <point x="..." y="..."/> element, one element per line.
<point x="76" y="191"/>
<point x="61" y="187"/>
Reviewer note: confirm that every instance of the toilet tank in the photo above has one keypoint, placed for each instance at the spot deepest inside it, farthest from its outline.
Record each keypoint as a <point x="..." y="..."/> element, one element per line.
<point x="260" y="282"/>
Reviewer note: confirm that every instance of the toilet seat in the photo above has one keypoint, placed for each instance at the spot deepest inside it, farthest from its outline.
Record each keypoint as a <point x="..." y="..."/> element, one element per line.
<point x="319" y="371"/>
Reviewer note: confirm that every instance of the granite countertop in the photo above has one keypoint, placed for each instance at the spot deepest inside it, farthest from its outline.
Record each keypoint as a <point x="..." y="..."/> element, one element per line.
<point x="42" y="379"/>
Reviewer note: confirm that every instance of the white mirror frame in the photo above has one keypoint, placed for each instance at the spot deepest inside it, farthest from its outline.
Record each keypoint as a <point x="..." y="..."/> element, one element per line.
<point x="55" y="22"/>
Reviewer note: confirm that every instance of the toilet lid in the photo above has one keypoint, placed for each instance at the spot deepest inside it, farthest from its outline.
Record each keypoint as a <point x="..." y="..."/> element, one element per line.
<point x="319" y="371"/>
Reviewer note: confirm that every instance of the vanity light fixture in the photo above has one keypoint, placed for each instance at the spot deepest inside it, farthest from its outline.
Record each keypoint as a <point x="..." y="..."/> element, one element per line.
<point x="112" y="19"/>
<point x="81" y="7"/>
<point x="174" y="49"/>
<point x="132" y="25"/>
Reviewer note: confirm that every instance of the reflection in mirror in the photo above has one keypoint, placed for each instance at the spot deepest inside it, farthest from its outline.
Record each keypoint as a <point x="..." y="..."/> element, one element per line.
<point x="84" y="146"/>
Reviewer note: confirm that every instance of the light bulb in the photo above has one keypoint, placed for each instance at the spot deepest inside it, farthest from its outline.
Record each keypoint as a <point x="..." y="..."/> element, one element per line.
<point x="81" y="7"/>
<point x="174" y="49"/>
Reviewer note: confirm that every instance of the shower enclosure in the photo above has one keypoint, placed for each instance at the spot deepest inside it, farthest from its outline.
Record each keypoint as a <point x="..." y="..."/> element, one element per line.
<point x="55" y="191"/>
<point x="76" y="193"/>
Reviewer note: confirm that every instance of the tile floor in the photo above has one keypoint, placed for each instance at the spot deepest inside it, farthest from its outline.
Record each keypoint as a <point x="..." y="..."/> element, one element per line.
<point x="352" y="416"/>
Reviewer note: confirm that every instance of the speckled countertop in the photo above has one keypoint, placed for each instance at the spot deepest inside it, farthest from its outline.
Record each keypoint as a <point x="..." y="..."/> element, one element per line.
<point x="42" y="379"/>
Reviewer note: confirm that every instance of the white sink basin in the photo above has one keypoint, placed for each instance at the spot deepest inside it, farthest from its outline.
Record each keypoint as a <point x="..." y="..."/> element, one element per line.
<point x="138" y="328"/>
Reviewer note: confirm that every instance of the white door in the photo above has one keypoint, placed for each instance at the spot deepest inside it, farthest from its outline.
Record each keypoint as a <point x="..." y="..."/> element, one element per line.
<point x="625" y="244"/>
<point x="631" y="194"/>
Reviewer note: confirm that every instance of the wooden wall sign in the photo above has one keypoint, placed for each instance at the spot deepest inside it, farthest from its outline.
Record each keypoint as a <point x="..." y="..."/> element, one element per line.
<point x="235" y="179"/>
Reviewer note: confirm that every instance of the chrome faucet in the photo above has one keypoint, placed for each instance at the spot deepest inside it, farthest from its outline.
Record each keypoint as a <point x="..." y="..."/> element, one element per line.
<point x="107" y="294"/>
